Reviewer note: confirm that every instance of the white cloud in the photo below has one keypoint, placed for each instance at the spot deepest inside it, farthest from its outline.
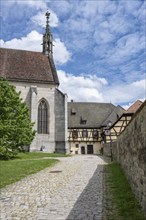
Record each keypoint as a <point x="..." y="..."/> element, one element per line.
<point x="32" y="42"/>
<point x="126" y="48"/>
<point x="129" y="43"/>
<point x="82" y="88"/>
<point x="119" y="24"/>
<point x="127" y="105"/>
<point x="94" y="8"/>
<point x="102" y="22"/>
<point x="62" y="7"/>
<point x="40" y="19"/>
<point x="103" y="37"/>
<point x="41" y="4"/>
<point x="94" y="89"/>
<point x="131" y="103"/>
<point x="132" y="8"/>
<point x="141" y="13"/>
<point x="79" y="25"/>
<point x="123" y="93"/>
<point x="108" y="34"/>
<point x="61" y="54"/>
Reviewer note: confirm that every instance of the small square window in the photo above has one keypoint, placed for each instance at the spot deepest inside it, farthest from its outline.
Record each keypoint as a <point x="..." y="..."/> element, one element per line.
<point x="77" y="145"/>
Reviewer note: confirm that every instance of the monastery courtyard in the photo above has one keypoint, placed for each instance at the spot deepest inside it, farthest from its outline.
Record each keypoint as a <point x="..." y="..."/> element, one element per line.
<point x="70" y="190"/>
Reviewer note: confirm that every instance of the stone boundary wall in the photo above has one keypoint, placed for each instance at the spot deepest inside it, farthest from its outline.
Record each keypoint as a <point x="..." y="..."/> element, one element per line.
<point x="130" y="153"/>
<point x="106" y="149"/>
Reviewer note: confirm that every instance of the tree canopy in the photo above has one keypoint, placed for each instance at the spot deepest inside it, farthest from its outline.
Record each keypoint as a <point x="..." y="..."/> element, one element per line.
<point x="16" y="129"/>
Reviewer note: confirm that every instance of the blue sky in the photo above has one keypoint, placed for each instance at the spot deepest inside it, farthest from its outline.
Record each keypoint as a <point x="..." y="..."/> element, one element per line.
<point x="99" y="45"/>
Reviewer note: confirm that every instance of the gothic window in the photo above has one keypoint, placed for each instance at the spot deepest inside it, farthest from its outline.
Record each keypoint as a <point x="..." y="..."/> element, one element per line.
<point x="43" y="118"/>
<point x="84" y="133"/>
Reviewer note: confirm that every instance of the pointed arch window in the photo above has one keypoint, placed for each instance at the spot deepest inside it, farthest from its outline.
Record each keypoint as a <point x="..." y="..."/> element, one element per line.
<point x="43" y="118"/>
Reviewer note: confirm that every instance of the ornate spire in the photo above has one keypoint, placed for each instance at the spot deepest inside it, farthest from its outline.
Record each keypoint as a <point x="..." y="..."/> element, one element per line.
<point x="47" y="38"/>
<point x="47" y="22"/>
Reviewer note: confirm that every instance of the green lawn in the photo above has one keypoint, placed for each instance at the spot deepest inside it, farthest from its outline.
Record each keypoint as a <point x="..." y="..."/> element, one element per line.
<point x="25" y="164"/>
<point x="36" y="155"/>
<point x="123" y="204"/>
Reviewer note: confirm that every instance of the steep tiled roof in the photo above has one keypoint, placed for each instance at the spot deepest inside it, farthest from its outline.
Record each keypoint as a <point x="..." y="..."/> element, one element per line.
<point x="88" y="115"/>
<point x="27" y="66"/>
<point x="115" y="114"/>
<point x="134" y="107"/>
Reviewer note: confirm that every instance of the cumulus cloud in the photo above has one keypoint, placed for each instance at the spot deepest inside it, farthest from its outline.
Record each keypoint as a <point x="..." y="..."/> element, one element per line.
<point x="82" y="88"/>
<point x="91" y="88"/>
<point x="32" y="42"/>
<point x="102" y="37"/>
<point x="61" y="54"/>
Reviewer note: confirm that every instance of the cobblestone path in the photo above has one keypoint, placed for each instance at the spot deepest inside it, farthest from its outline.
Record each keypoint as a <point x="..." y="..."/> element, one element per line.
<point x="70" y="190"/>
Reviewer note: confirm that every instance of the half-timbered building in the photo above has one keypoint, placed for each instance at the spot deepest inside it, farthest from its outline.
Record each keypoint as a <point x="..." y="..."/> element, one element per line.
<point x="86" y="122"/>
<point x="121" y="123"/>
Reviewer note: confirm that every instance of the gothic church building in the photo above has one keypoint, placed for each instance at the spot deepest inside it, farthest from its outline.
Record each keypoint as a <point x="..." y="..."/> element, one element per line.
<point x="34" y="75"/>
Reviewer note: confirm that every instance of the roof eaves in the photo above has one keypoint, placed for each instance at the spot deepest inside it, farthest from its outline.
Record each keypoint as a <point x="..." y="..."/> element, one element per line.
<point x="54" y="72"/>
<point x="30" y="80"/>
<point x="124" y="114"/>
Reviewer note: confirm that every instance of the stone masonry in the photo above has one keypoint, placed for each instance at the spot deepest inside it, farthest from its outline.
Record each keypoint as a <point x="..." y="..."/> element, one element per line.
<point x="130" y="152"/>
<point x="61" y="122"/>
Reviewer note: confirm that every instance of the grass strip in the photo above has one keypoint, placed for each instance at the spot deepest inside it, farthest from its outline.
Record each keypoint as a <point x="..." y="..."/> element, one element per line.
<point x="14" y="170"/>
<point x="36" y="155"/>
<point x="123" y="199"/>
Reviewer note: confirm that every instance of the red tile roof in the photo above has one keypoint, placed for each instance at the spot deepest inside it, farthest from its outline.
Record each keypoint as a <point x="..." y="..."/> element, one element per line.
<point x="27" y="66"/>
<point x="134" y="107"/>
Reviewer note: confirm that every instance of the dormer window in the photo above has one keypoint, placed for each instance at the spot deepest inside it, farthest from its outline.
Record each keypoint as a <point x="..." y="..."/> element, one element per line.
<point x="73" y="111"/>
<point x="83" y="120"/>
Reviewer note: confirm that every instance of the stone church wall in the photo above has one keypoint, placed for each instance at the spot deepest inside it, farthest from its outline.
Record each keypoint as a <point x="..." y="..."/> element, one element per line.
<point x="130" y="152"/>
<point x="61" y="122"/>
<point x="32" y="93"/>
